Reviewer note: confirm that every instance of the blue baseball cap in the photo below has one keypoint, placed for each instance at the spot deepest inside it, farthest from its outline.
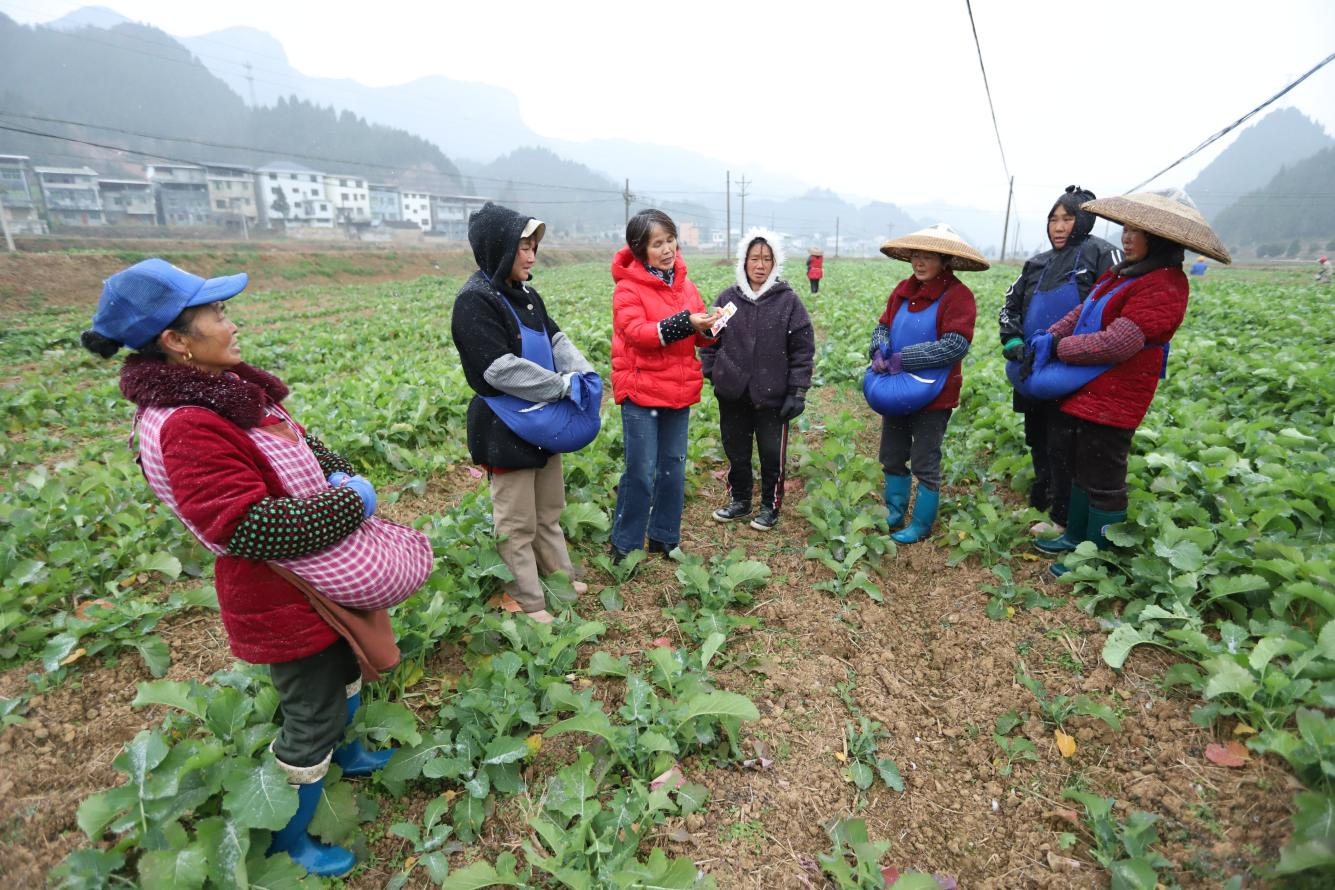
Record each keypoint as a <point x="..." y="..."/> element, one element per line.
<point x="139" y="303"/>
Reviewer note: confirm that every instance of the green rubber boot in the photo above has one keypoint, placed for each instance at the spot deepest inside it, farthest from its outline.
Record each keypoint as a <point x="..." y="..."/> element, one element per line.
<point x="896" y="498"/>
<point x="1077" y="522"/>
<point x="1097" y="521"/>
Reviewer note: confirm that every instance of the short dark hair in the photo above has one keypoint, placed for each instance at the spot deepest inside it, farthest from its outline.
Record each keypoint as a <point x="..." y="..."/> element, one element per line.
<point x="105" y="347"/>
<point x="639" y="227"/>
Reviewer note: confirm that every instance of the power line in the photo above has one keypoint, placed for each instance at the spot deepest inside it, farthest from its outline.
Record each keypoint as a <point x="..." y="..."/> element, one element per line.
<point x="1313" y="70"/>
<point x="968" y="5"/>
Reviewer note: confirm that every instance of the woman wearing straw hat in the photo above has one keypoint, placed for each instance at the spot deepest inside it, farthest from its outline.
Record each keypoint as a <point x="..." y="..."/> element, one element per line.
<point x="914" y="379"/>
<point x="1049" y="286"/>
<point x="1119" y="337"/>
<point x="815" y="268"/>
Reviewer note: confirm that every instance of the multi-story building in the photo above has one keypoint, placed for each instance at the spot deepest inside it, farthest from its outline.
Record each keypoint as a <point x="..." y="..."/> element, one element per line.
<point x="70" y="195"/>
<point x="128" y="201"/>
<point x="416" y="207"/>
<point x="21" y="196"/>
<point x="231" y="193"/>
<point x="292" y="194"/>
<point x="349" y="198"/>
<point x="449" y="214"/>
<point x="182" y="194"/>
<point x="386" y="205"/>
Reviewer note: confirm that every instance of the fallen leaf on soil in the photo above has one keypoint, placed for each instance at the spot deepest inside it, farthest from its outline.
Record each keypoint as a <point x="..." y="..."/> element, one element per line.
<point x="475" y="472"/>
<point x="680" y="835"/>
<point x="409" y="863"/>
<point x="81" y="610"/>
<point x="1061" y="863"/>
<point x="1243" y="729"/>
<point x="841" y="756"/>
<point x="720" y="474"/>
<point x="1065" y="743"/>
<point x="534" y="743"/>
<point x="758" y="763"/>
<point x="1065" y="816"/>
<point x="672" y="776"/>
<point x="1233" y="755"/>
<point x="661" y="641"/>
<point x="74" y="656"/>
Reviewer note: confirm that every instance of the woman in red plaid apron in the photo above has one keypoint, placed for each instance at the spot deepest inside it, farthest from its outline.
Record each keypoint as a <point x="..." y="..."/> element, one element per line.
<point x="288" y="520"/>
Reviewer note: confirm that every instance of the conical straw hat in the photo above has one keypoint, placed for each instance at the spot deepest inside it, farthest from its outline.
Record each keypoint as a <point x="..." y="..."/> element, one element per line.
<point x="1169" y="213"/>
<point x="939" y="238"/>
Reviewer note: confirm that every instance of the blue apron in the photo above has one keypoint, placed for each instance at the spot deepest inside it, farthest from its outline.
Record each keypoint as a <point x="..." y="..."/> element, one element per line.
<point x="1052" y="378"/>
<point x="896" y="395"/>
<point x="561" y="426"/>
<point x="1047" y="307"/>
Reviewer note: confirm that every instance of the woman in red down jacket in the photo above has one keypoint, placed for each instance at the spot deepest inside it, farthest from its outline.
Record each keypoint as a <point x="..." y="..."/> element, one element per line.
<point x="1126" y="322"/>
<point x="658" y="320"/>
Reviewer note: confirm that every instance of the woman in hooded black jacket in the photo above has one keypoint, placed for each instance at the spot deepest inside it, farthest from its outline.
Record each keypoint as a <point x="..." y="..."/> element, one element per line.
<point x="1050" y="285"/>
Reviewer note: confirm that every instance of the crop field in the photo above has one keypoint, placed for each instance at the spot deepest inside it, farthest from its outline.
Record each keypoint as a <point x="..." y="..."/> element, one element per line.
<point x="806" y="708"/>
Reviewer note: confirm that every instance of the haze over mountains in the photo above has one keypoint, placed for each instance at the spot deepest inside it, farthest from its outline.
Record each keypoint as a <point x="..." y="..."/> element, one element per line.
<point x="482" y="138"/>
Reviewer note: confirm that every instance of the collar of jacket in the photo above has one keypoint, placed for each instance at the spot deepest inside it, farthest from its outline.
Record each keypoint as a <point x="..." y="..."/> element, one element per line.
<point x="912" y="289"/>
<point x="775" y="242"/>
<point x="1173" y="255"/>
<point x="239" y="395"/>
<point x="626" y="267"/>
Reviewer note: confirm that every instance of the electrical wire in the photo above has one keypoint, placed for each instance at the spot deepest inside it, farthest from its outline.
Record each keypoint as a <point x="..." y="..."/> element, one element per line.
<point x="1313" y="70"/>
<point x="1004" y="166"/>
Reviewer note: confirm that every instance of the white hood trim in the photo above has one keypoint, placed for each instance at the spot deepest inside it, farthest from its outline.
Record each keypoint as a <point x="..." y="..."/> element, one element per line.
<point x="775" y="242"/>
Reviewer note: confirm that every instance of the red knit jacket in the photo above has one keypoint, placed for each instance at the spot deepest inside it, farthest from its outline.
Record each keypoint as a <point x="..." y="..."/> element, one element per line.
<point x="1156" y="303"/>
<point x="643" y="369"/>
<point x="957" y="314"/>
<point x="216" y="475"/>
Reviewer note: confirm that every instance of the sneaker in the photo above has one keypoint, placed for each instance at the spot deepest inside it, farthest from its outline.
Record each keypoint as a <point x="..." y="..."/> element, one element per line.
<point x="659" y="547"/>
<point x="1046" y="529"/>
<point x="766" y="519"/>
<point x="734" y="510"/>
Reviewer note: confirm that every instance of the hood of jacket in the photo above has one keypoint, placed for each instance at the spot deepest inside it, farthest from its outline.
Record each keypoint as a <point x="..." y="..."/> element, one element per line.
<point x="775" y="242"/>
<point x="627" y="267"/>
<point x="494" y="233"/>
<point x="239" y="395"/>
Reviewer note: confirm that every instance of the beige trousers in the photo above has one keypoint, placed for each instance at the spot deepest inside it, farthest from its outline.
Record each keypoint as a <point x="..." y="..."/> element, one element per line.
<point x="526" y="507"/>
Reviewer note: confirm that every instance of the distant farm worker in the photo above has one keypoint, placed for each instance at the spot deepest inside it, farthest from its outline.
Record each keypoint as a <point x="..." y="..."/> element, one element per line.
<point x="760" y="370"/>
<point x="914" y="379"/>
<point x="815" y="268"/>
<point x="1050" y="285"/>
<point x="1199" y="267"/>
<point x="658" y="320"/>
<point x="287" y="519"/>
<point x="536" y="397"/>
<point x="1111" y="351"/>
<point x="1323" y="270"/>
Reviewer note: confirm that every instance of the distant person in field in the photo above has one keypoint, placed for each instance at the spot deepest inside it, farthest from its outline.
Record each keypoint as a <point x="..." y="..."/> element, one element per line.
<point x="286" y="517"/>
<point x="815" y="268"/>
<point x="1323" y="270"/>
<point x="914" y="379"/>
<point x="1199" y="267"/>
<point x="1111" y="351"/>
<point x="1050" y="285"/>
<point x="760" y="370"/>
<point x="658" y="321"/>
<point x="516" y="358"/>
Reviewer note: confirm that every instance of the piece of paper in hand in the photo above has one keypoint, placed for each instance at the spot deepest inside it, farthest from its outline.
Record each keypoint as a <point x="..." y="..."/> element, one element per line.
<point x="728" y="311"/>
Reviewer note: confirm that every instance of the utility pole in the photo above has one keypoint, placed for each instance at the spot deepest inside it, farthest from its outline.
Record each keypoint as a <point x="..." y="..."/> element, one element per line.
<point x="250" y="78"/>
<point x="1005" y="229"/>
<point x="741" y="186"/>
<point x="727" y="222"/>
<point x="626" y="196"/>
<point x="836" y="237"/>
<point x="4" y="224"/>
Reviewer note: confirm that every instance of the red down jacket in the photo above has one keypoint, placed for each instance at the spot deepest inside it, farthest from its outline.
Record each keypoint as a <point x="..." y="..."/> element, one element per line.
<point x="1156" y="302"/>
<point x="643" y="369"/>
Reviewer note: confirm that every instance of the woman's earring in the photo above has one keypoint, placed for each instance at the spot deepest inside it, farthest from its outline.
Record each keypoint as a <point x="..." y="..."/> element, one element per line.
<point x="189" y="356"/>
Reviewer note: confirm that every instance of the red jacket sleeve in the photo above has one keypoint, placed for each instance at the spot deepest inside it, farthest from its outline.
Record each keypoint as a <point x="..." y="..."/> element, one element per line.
<point x="958" y="312"/>
<point x="1063" y="326"/>
<point x="213" y="478"/>
<point x="629" y="317"/>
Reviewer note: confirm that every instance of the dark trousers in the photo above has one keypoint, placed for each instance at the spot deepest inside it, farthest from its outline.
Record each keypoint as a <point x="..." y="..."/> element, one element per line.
<point x="1052" y="469"/>
<point x="313" y="699"/>
<point x="815" y="285"/>
<point x="741" y="423"/>
<point x="914" y="441"/>
<point x="1097" y="456"/>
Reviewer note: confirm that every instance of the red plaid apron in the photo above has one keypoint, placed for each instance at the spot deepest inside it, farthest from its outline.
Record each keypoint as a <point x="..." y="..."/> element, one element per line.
<point x="379" y="565"/>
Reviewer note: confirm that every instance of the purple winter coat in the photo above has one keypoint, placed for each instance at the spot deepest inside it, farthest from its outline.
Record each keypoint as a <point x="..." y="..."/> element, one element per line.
<point x="766" y="351"/>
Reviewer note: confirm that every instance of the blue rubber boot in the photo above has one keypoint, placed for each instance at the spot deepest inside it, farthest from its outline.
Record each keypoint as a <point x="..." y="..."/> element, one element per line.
<point x="896" y="498"/>
<point x="1077" y="523"/>
<point x="306" y="851"/>
<point x="352" y="757"/>
<point x="924" y="515"/>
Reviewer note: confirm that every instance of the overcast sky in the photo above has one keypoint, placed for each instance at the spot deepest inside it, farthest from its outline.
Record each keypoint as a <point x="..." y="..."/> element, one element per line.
<point x="879" y="99"/>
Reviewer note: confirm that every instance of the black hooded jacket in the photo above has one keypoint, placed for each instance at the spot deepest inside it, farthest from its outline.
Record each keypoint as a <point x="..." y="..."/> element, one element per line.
<point x="483" y="330"/>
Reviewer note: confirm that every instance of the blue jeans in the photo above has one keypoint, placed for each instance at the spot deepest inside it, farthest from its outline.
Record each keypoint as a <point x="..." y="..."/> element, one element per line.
<point x="653" y="486"/>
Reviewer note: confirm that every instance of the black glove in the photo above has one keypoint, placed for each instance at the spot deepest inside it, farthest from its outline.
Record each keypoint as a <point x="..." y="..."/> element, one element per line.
<point x="1056" y="338"/>
<point x="1014" y="353"/>
<point x="1027" y="364"/>
<point x="793" y="406"/>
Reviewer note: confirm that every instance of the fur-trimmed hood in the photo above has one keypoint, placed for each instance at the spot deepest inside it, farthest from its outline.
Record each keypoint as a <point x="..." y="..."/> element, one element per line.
<point x="775" y="242"/>
<point x="240" y="395"/>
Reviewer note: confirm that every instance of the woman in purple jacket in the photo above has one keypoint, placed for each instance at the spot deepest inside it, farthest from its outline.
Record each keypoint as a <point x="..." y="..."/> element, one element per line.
<point x="760" y="369"/>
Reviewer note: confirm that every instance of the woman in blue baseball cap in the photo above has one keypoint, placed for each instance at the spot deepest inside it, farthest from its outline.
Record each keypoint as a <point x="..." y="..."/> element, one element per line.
<point x="219" y="449"/>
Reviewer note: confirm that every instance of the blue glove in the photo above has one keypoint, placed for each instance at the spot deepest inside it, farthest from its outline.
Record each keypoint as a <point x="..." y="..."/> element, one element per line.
<point x="360" y="484"/>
